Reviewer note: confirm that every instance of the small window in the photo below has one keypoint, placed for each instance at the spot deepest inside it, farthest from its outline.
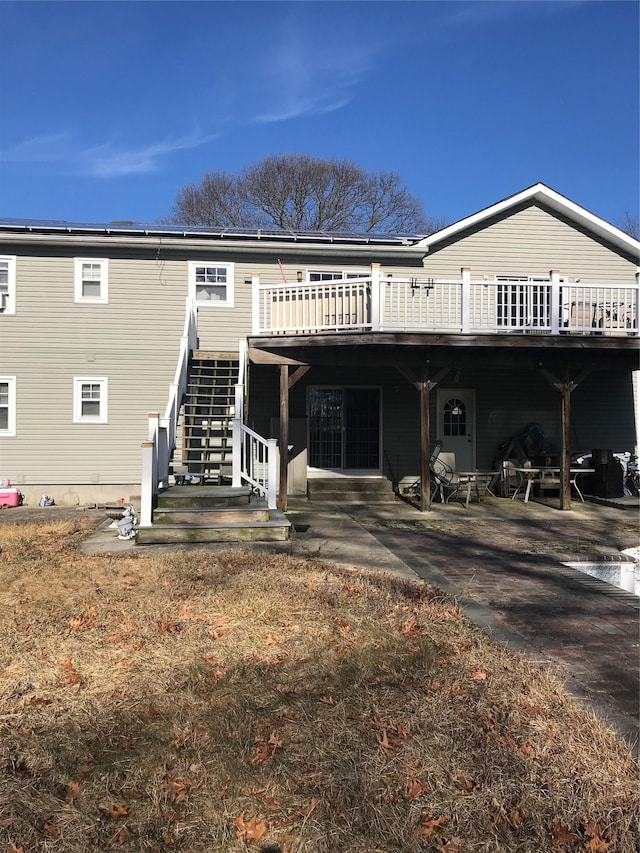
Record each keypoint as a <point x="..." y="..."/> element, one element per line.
<point x="333" y="275"/>
<point x="7" y="284"/>
<point x="211" y="283"/>
<point x="89" y="400"/>
<point x="91" y="280"/>
<point x="7" y="405"/>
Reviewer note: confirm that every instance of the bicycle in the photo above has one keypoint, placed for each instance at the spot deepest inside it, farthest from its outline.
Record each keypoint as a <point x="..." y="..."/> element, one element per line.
<point x="632" y="478"/>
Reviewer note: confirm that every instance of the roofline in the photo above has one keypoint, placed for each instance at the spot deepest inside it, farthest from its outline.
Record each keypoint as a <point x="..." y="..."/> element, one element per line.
<point x="99" y="240"/>
<point x="540" y="192"/>
<point x="185" y="232"/>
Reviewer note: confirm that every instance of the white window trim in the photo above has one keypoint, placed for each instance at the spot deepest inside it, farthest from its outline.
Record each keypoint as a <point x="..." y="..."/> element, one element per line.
<point x="78" y="382"/>
<point x="341" y="273"/>
<point x="8" y="301"/>
<point x="11" y="426"/>
<point x="103" y="299"/>
<point x="212" y="303"/>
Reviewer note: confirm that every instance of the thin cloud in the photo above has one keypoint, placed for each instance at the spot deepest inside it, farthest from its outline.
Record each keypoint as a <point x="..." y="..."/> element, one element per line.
<point x="302" y="82"/>
<point x="46" y="148"/>
<point x="492" y="11"/>
<point x="111" y="161"/>
<point x="107" y="160"/>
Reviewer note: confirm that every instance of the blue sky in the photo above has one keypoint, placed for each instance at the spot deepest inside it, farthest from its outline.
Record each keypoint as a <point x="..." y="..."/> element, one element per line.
<point x="108" y="108"/>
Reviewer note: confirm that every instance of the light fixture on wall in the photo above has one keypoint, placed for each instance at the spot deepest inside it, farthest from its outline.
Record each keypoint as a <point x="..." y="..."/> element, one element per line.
<point x="299" y="276"/>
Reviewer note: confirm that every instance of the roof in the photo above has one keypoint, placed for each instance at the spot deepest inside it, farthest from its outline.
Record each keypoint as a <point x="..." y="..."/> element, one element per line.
<point x="550" y="198"/>
<point x="53" y="226"/>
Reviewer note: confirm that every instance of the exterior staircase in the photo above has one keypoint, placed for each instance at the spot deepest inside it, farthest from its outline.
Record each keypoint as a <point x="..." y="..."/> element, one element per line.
<point x="201" y="514"/>
<point x="204" y="439"/>
<point x="350" y="490"/>
<point x="213" y="510"/>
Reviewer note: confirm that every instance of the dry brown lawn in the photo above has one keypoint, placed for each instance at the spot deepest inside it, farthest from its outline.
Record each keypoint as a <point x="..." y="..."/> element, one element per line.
<point x="224" y="702"/>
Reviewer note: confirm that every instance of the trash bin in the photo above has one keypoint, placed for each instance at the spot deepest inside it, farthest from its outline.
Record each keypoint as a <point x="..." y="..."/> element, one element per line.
<point x="607" y="478"/>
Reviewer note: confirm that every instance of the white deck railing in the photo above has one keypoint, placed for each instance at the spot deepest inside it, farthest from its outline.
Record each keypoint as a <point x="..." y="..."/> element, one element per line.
<point x="464" y="305"/>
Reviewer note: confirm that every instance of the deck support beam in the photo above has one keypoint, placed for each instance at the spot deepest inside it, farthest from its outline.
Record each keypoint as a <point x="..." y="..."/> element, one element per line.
<point x="565" y="387"/>
<point x="424" y="387"/>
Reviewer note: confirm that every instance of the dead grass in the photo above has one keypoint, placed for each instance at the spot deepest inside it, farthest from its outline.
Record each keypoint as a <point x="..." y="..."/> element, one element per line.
<point x="208" y="702"/>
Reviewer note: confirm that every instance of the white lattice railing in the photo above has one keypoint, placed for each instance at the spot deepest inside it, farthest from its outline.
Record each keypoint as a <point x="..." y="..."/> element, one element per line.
<point x="464" y="305"/>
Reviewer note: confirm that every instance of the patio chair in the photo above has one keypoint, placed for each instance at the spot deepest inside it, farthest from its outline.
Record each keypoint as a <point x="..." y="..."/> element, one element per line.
<point x="445" y="480"/>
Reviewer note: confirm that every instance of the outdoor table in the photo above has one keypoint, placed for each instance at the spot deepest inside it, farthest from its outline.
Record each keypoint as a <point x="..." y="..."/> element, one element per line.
<point x="472" y="479"/>
<point x="546" y="476"/>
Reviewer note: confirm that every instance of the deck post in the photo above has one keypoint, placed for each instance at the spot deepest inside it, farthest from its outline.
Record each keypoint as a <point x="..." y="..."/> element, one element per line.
<point x="465" y="320"/>
<point x="147" y="491"/>
<point x="554" y="307"/>
<point x="376" y="296"/>
<point x="255" y="304"/>
<point x="565" y="457"/>
<point x="284" y="436"/>
<point x="425" y="448"/>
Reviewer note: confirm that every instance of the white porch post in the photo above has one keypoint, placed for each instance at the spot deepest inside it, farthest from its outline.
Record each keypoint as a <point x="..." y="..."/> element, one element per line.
<point x="554" y="307"/>
<point x="465" y="274"/>
<point x="147" y="490"/>
<point x="272" y="487"/>
<point x="376" y="295"/>
<point x="154" y="436"/>
<point x="236" y="456"/>
<point x="255" y="304"/>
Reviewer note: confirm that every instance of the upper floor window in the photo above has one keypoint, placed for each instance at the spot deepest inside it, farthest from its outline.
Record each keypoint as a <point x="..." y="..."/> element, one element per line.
<point x="91" y="280"/>
<point x="333" y="275"/>
<point x="7" y="405"/>
<point x="89" y="400"/>
<point x="7" y="284"/>
<point x="211" y="283"/>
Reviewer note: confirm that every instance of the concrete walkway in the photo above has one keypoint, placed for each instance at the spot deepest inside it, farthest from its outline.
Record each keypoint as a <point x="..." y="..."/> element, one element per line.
<point x="503" y="562"/>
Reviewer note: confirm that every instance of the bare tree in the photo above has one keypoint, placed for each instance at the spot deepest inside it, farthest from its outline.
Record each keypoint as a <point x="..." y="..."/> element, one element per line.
<point x="630" y="224"/>
<point x="298" y="192"/>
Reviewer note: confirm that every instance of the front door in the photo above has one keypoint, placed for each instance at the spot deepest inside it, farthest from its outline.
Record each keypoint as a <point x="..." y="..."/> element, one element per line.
<point x="344" y="428"/>
<point x="456" y="425"/>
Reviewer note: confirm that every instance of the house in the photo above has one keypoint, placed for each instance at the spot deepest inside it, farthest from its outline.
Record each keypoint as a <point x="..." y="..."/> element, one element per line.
<point x="119" y="343"/>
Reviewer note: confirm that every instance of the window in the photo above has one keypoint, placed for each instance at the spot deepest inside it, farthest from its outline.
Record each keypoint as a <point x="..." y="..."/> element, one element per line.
<point x="332" y="275"/>
<point x="89" y="400"/>
<point x="455" y="417"/>
<point x="211" y="283"/>
<point x="91" y="280"/>
<point x="7" y="405"/>
<point x="7" y="284"/>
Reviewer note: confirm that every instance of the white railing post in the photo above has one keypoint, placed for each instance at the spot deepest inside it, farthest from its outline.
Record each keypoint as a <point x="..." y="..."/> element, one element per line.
<point x="147" y="491"/>
<point x="153" y="434"/>
<point x="376" y="297"/>
<point x="255" y="304"/>
<point x="164" y="452"/>
<point x="272" y="487"/>
<point x="465" y="319"/>
<point x="237" y="453"/>
<point x="554" y="307"/>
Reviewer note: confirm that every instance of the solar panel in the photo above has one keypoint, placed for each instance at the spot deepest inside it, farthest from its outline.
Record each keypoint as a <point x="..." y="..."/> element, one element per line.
<point x="126" y="227"/>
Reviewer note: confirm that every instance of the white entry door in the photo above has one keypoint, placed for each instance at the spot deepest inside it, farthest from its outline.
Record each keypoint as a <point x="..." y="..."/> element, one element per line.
<point x="457" y="425"/>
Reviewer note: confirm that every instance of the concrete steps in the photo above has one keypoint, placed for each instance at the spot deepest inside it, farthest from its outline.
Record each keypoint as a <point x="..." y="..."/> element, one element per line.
<point x="350" y="490"/>
<point x="201" y="514"/>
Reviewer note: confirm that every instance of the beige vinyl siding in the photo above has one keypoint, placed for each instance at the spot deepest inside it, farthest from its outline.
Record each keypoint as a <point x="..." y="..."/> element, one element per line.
<point x="531" y="241"/>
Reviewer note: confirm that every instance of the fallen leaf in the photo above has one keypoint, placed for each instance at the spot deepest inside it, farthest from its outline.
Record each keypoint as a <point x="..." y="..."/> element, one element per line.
<point x="453" y="845"/>
<point x="250" y="830"/>
<point x="415" y="787"/>
<point x="596" y="845"/>
<point x="73" y="790"/>
<point x="465" y="783"/>
<point x="562" y="835"/>
<point x="122" y="836"/>
<point x="478" y="675"/>
<point x="428" y="825"/>
<point x="327" y="700"/>
<point x="526" y="749"/>
<point x="115" y="810"/>
<point x="51" y="828"/>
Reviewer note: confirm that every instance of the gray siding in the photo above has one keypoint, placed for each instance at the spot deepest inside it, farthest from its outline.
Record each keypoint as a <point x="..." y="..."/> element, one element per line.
<point x="531" y="241"/>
